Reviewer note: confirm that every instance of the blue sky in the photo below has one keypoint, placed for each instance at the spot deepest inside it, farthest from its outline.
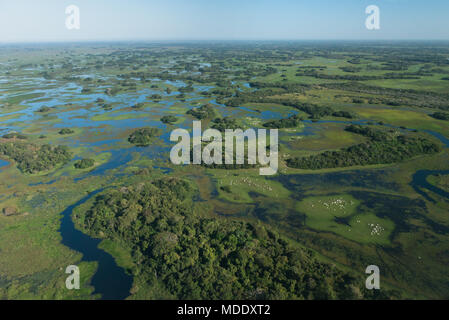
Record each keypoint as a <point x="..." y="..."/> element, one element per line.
<point x="44" y="20"/>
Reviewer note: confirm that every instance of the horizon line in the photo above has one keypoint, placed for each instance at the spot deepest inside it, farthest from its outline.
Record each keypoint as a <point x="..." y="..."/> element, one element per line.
<point x="212" y="40"/>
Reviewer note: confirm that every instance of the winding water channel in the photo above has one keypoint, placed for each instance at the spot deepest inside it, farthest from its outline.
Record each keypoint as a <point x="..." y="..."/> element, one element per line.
<point x="110" y="280"/>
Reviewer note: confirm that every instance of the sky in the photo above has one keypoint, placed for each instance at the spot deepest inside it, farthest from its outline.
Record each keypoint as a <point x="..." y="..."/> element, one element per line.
<point x="116" y="20"/>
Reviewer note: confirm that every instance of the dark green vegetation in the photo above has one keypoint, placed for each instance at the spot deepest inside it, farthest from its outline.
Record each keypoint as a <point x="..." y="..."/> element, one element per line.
<point x="204" y="112"/>
<point x="14" y="135"/>
<point x="214" y="231"/>
<point x="139" y="105"/>
<point x="169" y="119"/>
<point x="31" y="158"/>
<point x="204" y="258"/>
<point x="382" y="148"/>
<point x="221" y="124"/>
<point x="84" y="163"/>
<point x="345" y="114"/>
<point x="44" y="109"/>
<point x="441" y="115"/>
<point x="66" y="131"/>
<point x="144" y="136"/>
<point x="155" y="97"/>
<point x="290" y="122"/>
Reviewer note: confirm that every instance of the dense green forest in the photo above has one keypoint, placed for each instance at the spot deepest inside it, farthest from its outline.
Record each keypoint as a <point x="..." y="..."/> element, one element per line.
<point x="221" y="124"/>
<point x="204" y="112"/>
<point x="290" y="122"/>
<point x="84" y="163"/>
<point x="66" y="131"/>
<point x="382" y="148"/>
<point x="441" y="115"/>
<point x="169" y="119"/>
<point x="204" y="258"/>
<point x="31" y="158"/>
<point x="142" y="137"/>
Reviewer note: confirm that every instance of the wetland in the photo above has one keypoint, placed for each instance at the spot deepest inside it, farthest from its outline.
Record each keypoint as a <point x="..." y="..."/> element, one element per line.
<point x="86" y="177"/>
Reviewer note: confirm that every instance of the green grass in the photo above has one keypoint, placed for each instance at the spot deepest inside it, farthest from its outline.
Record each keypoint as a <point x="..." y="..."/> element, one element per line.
<point x="242" y="182"/>
<point x="10" y="116"/>
<point x="409" y="119"/>
<point x="21" y="97"/>
<point x="322" y="212"/>
<point x="440" y="181"/>
<point x="121" y="254"/>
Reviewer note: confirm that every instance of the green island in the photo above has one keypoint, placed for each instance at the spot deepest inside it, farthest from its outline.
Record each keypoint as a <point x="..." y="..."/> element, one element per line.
<point x="31" y="158"/>
<point x="84" y="163"/>
<point x="382" y="148"/>
<point x="203" y="112"/>
<point x="169" y="119"/>
<point x="143" y="137"/>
